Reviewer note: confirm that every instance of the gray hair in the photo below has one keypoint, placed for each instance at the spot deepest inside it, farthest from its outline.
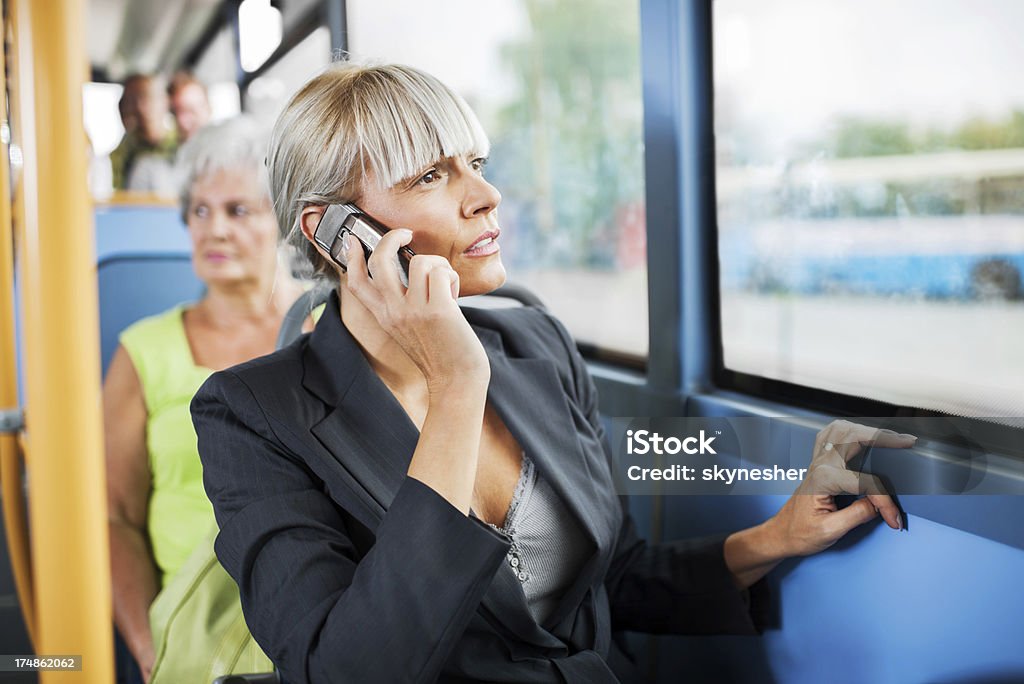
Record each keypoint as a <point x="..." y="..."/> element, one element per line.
<point x="238" y="143"/>
<point x="389" y="120"/>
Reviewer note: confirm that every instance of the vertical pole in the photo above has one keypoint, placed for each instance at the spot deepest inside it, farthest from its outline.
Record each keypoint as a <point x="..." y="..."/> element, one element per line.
<point x="15" y="527"/>
<point x="67" y="491"/>
<point x="337" y="24"/>
<point x="230" y="10"/>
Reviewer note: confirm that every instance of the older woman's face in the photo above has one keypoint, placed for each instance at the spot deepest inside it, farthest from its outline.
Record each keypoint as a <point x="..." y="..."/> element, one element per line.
<point x="451" y="210"/>
<point x="233" y="228"/>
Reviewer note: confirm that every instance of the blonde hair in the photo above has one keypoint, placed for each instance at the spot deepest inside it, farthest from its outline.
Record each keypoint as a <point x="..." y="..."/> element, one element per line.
<point x="390" y="121"/>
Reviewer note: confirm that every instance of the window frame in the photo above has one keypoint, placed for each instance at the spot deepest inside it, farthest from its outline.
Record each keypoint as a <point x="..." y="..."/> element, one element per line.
<point x="685" y="374"/>
<point x="1001" y="439"/>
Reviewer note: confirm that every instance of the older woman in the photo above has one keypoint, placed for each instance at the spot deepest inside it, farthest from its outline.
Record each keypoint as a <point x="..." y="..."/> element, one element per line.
<point x="416" y="492"/>
<point x="158" y="509"/>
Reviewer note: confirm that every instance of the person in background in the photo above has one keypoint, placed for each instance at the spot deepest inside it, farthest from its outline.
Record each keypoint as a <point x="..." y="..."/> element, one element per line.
<point x="147" y="136"/>
<point x="158" y="511"/>
<point x="189" y="104"/>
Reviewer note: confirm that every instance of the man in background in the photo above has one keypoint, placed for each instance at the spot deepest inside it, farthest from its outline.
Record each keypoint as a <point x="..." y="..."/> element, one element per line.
<point x="189" y="104"/>
<point x="148" y="141"/>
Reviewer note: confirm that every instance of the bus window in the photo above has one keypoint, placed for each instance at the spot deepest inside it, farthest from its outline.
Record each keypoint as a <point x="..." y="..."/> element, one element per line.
<point x="870" y="193"/>
<point x="269" y="91"/>
<point x="558" y="88"/>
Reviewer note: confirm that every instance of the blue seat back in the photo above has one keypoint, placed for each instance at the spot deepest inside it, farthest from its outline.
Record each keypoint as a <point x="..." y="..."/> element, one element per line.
<point x="143" y="267"/>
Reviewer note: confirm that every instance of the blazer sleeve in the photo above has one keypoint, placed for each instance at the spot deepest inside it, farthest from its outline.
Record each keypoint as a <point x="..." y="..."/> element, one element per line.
<point x="320" y="612"/>
<point x="675" y="587"/>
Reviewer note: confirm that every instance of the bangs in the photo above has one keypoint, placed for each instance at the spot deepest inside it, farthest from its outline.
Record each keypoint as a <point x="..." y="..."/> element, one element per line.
<point x="407" y="120"/>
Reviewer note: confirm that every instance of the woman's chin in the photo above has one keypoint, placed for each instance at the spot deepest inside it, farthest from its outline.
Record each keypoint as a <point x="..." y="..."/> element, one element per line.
<point x="484" y="281"/>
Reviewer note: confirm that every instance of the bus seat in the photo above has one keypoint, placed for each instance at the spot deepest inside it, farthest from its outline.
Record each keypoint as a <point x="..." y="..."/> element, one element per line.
<point x="291" y="327"/>
<point x="143" y="267"/>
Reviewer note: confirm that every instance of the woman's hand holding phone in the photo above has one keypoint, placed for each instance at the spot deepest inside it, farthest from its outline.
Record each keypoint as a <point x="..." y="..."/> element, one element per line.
<point x="425" y="319"/>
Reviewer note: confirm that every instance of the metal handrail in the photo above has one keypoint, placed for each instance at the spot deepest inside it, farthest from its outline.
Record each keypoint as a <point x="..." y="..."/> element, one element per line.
<point x="12" y="491"/>
<point x="53" y="218"/>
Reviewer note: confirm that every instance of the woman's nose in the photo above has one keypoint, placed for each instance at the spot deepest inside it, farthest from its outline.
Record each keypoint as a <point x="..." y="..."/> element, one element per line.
<point x="481" y="197"/>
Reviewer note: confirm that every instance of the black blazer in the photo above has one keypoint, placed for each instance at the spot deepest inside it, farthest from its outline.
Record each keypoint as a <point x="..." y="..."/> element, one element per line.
<point x="351" y="571"/>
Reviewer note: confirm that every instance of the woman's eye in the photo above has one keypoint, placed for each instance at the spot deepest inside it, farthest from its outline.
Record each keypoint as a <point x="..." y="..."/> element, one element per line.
<point x="431" y="176"/>
<point x="479" y="164"/>
<point x="201" y="211"/>
<point x="239" y="210"/>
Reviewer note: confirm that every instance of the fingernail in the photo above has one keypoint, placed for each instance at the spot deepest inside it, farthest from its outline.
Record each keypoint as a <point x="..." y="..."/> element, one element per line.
<point x="899" y="521"/>
<point x="345" y="244"/>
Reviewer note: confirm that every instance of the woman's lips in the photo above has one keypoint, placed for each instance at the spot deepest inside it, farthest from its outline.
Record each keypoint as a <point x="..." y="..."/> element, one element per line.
<point x="486" y="245"/>
<point x="216" y="257"/>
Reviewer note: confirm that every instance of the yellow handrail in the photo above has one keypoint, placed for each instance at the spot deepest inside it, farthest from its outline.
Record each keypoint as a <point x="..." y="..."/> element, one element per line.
<point x="13" y="496"/>
<point x="16" y="529"/>
<point x="67" y="490"/>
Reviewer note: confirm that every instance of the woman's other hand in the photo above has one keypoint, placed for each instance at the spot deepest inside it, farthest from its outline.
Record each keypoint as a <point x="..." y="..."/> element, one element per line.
<point x="810" y="521"/>
<point x="425" y="319"/>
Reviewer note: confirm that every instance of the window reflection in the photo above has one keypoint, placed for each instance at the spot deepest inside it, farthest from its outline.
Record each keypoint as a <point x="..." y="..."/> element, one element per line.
<point x="870" y="178"/>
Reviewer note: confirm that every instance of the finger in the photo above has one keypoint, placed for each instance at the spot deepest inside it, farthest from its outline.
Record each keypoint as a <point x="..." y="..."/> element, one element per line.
<point x="848" y="439"/>
<point x="888" y="509"/>
<point x="829" y="480"/>
<point x="456" y="284"/>
<point x="420" y="267"/>
<point x="836" y="453"/>
<point x="358" y="278"/>
<point x="829" y="433"/>
<point x="383" y="259"/>
<point x="870" y="436"/>
<point x="440" y="284"/>
<point x="842" y="521"/>
<point x="893" y="440"/>
<point x="842" y="440"/>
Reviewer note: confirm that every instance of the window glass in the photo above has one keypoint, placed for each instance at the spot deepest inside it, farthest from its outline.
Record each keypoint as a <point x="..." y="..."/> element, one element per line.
<point x="217" y="63"/>
<point x="268" y="93"/>
<point x="870" y="180"/>
<point x="557" y="86"/>
<point x="102" y="121"/>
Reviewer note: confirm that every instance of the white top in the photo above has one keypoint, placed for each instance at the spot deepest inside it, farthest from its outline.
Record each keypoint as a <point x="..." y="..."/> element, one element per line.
<point x="548" y="546"/>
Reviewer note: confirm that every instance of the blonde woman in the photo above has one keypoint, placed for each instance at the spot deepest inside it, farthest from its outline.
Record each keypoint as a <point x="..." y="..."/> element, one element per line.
<point x="158" y="509"/>
<point x="419" y="493"/>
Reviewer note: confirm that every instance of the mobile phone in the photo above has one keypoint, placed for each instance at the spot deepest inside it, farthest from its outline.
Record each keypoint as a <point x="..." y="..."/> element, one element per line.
<point x="347" y="219"/>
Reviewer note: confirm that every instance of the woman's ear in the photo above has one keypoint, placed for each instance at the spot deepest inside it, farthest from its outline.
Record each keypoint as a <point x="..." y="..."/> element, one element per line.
<point x="309" y="219"/>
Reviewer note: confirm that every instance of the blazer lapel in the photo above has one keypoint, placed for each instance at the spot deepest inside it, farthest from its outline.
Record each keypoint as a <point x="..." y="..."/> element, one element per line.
<point x="530" y="399"/>
<point x="360" y="405"/>
<point x="528" y="396"/>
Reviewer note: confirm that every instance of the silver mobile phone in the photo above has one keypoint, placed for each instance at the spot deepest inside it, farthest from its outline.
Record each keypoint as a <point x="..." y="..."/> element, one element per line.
<point x="343" y="219"/>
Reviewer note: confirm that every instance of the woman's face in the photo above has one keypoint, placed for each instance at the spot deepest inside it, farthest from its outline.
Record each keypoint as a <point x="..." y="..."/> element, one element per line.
<point x="451" y="210"/>
<point x="233" y="228"/>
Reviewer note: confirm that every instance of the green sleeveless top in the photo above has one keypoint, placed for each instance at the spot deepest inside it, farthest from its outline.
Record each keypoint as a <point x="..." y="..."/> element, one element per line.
<point x="180" y="515"/>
